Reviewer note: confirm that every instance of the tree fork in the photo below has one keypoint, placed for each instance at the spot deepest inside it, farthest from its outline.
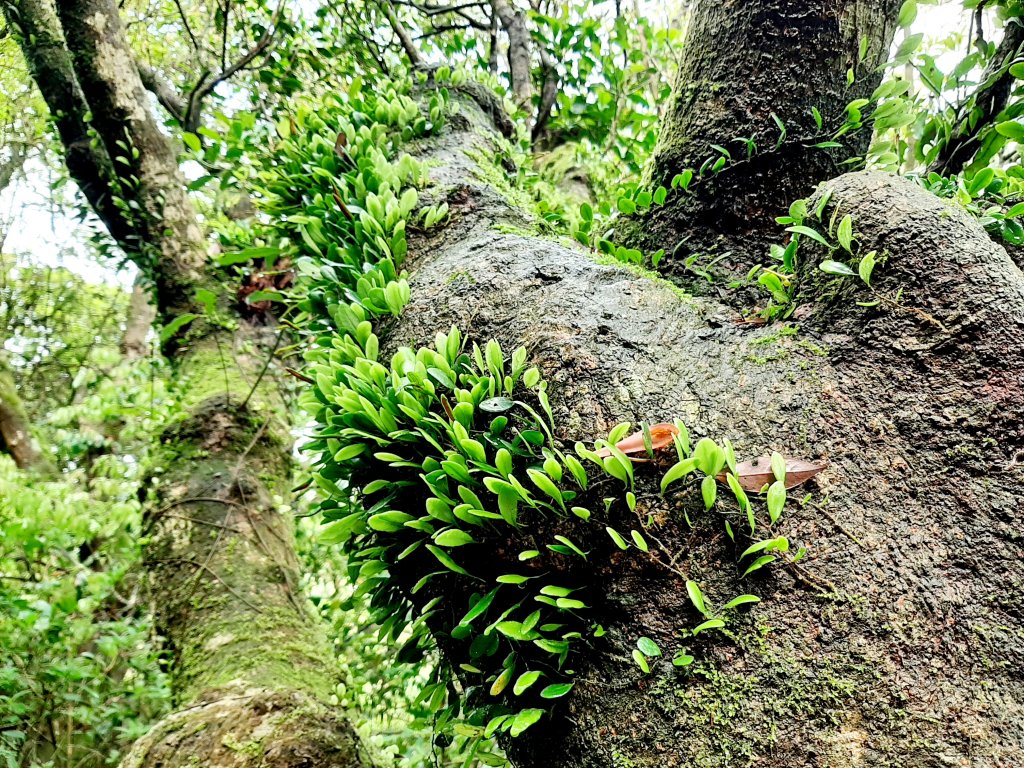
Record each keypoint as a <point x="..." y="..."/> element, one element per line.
<point x="743" y="65"/>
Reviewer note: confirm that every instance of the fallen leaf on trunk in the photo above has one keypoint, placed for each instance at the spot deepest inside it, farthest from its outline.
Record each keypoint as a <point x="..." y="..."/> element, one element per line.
<point x="661" y="437"/>
<point x="755" y="474"/>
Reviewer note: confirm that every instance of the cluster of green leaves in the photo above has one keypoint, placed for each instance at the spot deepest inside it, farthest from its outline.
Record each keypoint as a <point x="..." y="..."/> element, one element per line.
<point x="341" y="196"/>
<point x="953" y="77"/>
<point x="424" y="461"/>
<point x="994" y="195"/>
<point x="781" y="278"/>
<point x="79" y="676"/>
<point x="58" y="330"/>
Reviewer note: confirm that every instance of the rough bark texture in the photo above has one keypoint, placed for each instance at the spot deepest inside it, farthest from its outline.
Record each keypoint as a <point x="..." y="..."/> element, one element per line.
<point x="901" y="639"/>
<point x="743" y="62"/>
<point x="250" y="661"/>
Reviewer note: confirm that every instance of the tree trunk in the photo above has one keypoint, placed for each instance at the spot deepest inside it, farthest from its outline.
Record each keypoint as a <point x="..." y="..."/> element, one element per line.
<point x="900" y="638"/>
<point x="251" y="667"/>
<point x="15" y="431"/>
<point x="744" y="64"/>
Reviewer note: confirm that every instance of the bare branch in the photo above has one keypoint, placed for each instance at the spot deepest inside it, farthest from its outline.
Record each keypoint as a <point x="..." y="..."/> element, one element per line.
<point x="169" y="99"/>
<point x="403" y="36"/>
<point x="206" y="83"/>
<point x="514" y="23"/>
<point x="548" y="95"/>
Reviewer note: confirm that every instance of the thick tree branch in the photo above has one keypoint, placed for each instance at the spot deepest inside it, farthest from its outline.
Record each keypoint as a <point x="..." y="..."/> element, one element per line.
<point x="169" y="98"/>
<point x="170" y="249"/>
<point x="514" y="23"/>
<point x="403" y="35"/>
<point x="42" y="42"/>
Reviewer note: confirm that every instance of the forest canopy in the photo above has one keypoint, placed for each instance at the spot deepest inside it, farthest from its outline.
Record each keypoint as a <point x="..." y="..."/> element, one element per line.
<point x="499" y="383"/>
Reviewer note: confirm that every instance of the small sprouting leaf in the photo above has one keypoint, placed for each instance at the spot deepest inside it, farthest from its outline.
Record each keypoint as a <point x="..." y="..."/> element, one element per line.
<point x="682" y="658"/>
<point x="619" y="541"/>
<point x="709" y="491"/>
<point x="678" y="471"/>
<point x="446" y="560"/>
<point x="736" y="602"/>
<point x="761" y="562"/>
<point x="778" y="464"/>
<point x="581" y="512"/>
<point x="866" y="267"/>
<point x="479" y="607"/>
<point x="831" y="267"/>
<point x="512" y="578"/>
<point x="556" y="690"/>
<point x="626" y="206"/>
<point x="776" y="500"/>
<point x="696" y="597"/>
<point x="524" y="720"/>
<point x="709" y="456"/>
<point x="453" y="537"/>
<point x="639" y="540"/>
<point x="779" y="543"/>
<point x="502" y="682"/>
<point x="545" y="484"/>
<point x="709" y="624"/>
<point x="528" y="554"/>
<point x="497" y="404"/>
<point x="648" y="647"/>
<point x="524" y="681"/>
<point x="845" y="233"/>
<point x="641" y="661"/>
<point x="811" y="233"/>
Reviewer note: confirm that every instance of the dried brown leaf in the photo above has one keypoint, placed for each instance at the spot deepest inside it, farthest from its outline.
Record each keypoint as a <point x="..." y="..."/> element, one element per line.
<point x="755" y="474"/>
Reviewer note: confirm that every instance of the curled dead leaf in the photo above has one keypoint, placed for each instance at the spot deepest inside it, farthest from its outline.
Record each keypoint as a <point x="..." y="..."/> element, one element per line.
<point x="755" y="474"/>
<point x="661" y="437"/>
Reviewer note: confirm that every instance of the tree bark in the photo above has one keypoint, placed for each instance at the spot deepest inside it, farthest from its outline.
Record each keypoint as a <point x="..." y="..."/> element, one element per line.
<point x="15" y="431"/>
<point x="513" y="21"/>
<point x="251" y="668"/>
<point x="141" y="314"/>
<point x="42" y="41"/>
<point x="900" y="639"/>
<point x="743" y="63"/>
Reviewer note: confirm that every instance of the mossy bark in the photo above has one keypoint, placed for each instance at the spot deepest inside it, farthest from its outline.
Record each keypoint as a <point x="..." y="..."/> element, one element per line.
<point x="15" y="431"/>
<point x="251" y="667"/>
<point x="744" y="64"/>
<point x="899" y="639"/>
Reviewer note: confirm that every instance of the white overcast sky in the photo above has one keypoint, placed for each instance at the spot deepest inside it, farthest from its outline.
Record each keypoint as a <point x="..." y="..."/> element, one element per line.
<point x="50" y="234"/>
